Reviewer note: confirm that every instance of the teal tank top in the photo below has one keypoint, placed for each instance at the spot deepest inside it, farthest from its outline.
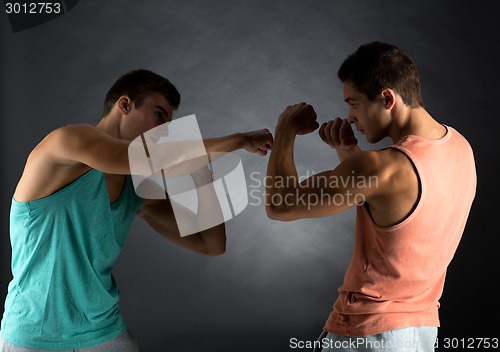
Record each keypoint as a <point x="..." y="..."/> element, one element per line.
<point x="64" y="247"/>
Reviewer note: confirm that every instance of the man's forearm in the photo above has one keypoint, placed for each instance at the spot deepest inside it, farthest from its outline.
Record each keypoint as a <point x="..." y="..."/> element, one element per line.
<point x="209" y="213"/>
<point x="281" y="170"/>
<point x="259" y="142"/>
<point x="180" y="158"/>
<point x="224" y="144"/>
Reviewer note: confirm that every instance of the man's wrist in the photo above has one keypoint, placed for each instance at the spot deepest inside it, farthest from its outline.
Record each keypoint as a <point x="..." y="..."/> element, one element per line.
<point x="284" y="127"/>
<point x="240" y="140"/>
<point x="344" y="154"/>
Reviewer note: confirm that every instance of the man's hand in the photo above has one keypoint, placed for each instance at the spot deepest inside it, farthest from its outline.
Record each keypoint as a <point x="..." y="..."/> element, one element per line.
<point x="339" y="135"/>
<point x="259" y="141"/>
<point x="301" y="118"/>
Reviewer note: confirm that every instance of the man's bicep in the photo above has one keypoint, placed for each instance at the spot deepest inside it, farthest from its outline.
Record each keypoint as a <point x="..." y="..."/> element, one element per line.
<point x="161" y="216"/>
<point x="324" y="194"/>
<point x="351" y="183"/>
<point x="88" y="145"/>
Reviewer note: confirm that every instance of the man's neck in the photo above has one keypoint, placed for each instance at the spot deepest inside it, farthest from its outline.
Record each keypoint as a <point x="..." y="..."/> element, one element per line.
<point x="110" y="125"/>
<point x="416" y="122"/>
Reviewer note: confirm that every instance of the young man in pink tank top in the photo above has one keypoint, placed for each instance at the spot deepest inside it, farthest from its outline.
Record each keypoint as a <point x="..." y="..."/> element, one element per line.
<point x="412" y="201"/>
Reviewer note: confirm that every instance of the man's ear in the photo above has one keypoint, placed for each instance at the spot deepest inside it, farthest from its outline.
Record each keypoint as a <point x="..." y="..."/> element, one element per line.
<point x="389" y="97"/>
<point x="124" y="104"/>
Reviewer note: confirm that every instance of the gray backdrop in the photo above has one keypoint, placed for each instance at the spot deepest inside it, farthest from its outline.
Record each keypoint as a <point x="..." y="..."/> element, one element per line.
<point x="237" y="65"/>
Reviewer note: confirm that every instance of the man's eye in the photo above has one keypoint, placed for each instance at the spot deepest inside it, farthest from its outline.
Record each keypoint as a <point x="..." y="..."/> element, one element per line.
<point x="158" y="115"/>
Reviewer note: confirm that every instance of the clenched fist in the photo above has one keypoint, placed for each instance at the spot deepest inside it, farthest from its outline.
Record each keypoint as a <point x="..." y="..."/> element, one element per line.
<point x="300" y="117"/>
<point x="338" y="134"/>
<point x="259" y="141"/>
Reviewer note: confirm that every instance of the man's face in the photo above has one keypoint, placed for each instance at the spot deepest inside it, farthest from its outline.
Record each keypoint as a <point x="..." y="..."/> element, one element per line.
<point x="371" y="118"/>
<point x="154" y="111"/>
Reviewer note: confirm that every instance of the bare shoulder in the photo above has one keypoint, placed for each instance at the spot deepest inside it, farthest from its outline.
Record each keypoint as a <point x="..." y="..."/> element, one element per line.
<point x="65" y="154"/>
<point x="390" y="172"/>
<point x="384" y="163"/>
<point x="396" y="188"/>
<point x="87" y="144"/>
<point x="73" y="130"/>
<point x="44" y="173"/>
<point x="66" y="146"/>
<point x="76" y="137"/>
<point x="62" y="138"/>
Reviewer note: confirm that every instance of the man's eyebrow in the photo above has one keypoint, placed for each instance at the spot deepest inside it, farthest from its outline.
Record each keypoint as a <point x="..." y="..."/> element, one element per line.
<point x="162" y="109"/>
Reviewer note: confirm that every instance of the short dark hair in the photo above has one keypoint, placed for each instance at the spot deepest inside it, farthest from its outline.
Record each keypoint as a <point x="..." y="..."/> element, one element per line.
<point x="137" y="85"/>
<point x="377" y="65"/>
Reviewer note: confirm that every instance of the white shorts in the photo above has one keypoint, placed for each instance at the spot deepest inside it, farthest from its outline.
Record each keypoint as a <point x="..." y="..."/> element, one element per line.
<point x="123" y="343"/>
<point x="412" y="339"/>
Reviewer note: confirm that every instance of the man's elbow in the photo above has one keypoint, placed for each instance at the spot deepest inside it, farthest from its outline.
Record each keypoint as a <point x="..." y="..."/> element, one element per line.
<point x="217" y="244"/>
<point x="281" y="212"/>
<point x="214" y="252"/>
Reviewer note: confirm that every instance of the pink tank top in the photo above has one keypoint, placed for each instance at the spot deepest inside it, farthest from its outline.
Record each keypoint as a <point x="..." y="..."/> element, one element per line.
<point x="397" y="273"/>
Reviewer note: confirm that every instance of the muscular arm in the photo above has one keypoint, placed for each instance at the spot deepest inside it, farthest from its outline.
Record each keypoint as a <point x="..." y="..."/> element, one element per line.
<point x="64" y="155"/>
<point x="68" y="152"/>
<point x="159" y="214"/>
<point x="384" y="179"/>
<point x="259" y="142"/>
<point x="88" y="145"/>
<point x="353" y="181"/>
<point x="177" y="164"/>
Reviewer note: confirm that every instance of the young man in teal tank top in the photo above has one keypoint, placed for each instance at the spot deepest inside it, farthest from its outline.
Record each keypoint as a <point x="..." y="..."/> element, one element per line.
<point x="71" y="212"/>
<point x="412" y="201"/>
